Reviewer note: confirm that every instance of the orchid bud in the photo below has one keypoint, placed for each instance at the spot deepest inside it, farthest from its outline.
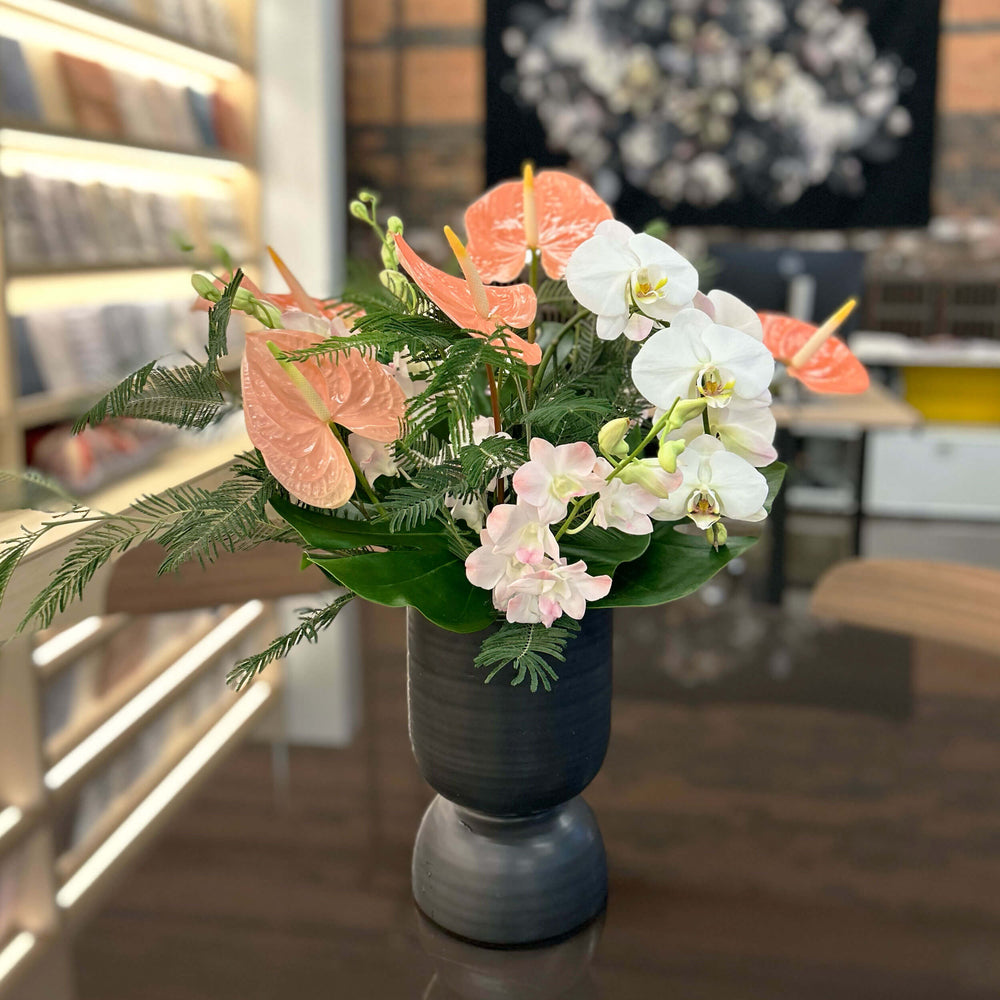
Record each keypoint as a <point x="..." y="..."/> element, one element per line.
<point x="717" y="534"/>
<point x="398" y="285"/>
<point x="205" y="287"/>
<point x="360" y="211"/>
<point x="266" y="314"/>
<point x="667" y="456"/>
<point x="242" y="300"/>
<point x="646" y="473"/>
<point x="389" y="258"/>
<point x="611" y="438"/>
<point x="684" y="411"/>
<point x="368" y="197"/>
<point x="394" y="224"/>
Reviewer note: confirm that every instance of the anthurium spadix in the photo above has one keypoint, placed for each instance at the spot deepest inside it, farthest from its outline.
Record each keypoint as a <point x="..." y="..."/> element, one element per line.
<point x="484" y="310"/>
<point x="552" y="213"/>
<point x="292" y="410"/>
<point x="698" y="358"/>
<point x="716" y="483"/>
<point x="630" y="281"/>
<point x="813" y="355"/>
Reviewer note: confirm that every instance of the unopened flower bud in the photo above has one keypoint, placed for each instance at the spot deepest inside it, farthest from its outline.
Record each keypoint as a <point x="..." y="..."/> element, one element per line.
<point x="266" y="314"/>
<point x="368" y="197"/>
<point x="205" y="287"/>
<point x="398" y="285"/>
<point x="611" y="438"/>
<point x="359" y="211"/>
<point x="647" y="473"/>
<point x="389" y="258"/>
<point x="394" y="224"/>
<point x="667" y="456"/>
<point x="684" y="411"/>
<point x="717" y="534"/>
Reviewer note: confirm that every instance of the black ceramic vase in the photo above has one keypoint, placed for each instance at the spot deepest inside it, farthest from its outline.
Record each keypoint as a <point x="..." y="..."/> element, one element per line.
<point x="507" y="852"/>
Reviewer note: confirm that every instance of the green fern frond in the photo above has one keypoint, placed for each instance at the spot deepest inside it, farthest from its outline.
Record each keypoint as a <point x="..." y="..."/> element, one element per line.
<point x="482" y="462"/>
<point x="230" y="518"/>
<point x="312" y="622"/>
<point x="25" y="491"/>
<point x="218" y="323"/>
<point x="188" y="396"/>
<point x="530" y="649"/>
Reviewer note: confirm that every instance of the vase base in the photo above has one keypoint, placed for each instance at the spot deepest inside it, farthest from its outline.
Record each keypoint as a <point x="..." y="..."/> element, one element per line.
<point x="507" y="882"/>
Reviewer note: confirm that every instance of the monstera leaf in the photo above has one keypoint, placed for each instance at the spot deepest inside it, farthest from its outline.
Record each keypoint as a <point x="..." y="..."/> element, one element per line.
<point x="677" y="564"/>
<point x="417" y="571"/>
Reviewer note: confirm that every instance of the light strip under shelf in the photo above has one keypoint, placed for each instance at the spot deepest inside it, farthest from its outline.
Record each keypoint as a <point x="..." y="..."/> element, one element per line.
<point x="62" y="643"/>
<point x="149" y="697"/>
<point x="67" y="28"/>
<point x="9" y="818"/>
<point x="15" y="953"/>
<point x="89" y="161"/>
<point x="165" y="792"/>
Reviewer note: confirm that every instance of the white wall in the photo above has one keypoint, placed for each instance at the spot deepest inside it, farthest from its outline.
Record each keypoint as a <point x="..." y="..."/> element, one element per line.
<point x="300" y="70"/>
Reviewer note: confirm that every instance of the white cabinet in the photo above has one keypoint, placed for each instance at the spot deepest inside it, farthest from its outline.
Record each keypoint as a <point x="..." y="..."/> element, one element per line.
<point x="949" y="472"/>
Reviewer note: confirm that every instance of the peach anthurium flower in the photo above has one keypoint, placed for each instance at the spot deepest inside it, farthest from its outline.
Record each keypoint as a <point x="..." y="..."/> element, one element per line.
<point x="813" y="355"/>
<point x="291" y="409"/>
<point x="470" y="304"/>
<point x="553" y="212"/>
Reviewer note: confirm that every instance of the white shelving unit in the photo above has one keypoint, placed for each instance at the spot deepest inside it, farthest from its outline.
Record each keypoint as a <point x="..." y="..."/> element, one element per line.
<point x="111" y="720"/>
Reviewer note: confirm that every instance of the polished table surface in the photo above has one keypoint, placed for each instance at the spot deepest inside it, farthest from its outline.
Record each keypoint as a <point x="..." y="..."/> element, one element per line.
<point x="789" y="810"/>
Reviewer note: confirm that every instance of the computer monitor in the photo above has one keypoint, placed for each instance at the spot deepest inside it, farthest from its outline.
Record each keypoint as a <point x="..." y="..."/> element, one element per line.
<point x="811" y="284"/>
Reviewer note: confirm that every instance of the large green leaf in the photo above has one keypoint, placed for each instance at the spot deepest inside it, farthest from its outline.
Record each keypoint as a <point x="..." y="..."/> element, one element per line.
<point x="677" y="564"/>
<point x="775" y="475"/>
<point x="332" y="532"/>
<point x="432" y="581"/>
<point x="603" y="550"/>
<point x="673" y="566"/>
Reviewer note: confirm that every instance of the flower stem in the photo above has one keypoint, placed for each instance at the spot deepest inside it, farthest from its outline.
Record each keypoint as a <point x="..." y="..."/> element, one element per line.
<point x="639" y="448"/>
<point x="574" y="510"/>
<point x="535" y="377"/>
<point x="533" y="281"/>
<point x="497" y="426"/>
<point x="358" y="474"/>
<point x="704" y="421"/>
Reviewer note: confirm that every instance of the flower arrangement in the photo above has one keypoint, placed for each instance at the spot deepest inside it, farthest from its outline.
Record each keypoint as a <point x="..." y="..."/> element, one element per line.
<point x="495" y="448"/>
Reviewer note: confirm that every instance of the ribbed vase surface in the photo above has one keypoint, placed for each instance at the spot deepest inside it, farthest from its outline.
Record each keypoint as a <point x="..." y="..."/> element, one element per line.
<point x="508" y="853"/>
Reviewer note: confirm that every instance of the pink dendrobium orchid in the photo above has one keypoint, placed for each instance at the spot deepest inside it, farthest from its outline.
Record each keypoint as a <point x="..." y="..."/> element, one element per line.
<point x="552" y="213"/>
<point x="291" y="409"/>
<point x="813" y="355"/>
<point x="485" y="311"/>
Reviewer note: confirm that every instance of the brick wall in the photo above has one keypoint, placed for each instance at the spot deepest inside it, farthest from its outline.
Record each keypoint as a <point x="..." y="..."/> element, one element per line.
<point x="415" y="109"/>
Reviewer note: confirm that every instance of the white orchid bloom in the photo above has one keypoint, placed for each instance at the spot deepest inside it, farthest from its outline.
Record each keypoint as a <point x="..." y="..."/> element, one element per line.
<point x="716" y="484"/>
<point x="373" y="457"/>
<point x="698" y="358"/>
<point x="515" y="529"/>
<point x="746" y="427"/>
<point x="622" y="505"/>
<point x="547" y="593"/>
<point x="727" y="310"/>
<point x="629" y="280"/>
<point x="556" y="475"/>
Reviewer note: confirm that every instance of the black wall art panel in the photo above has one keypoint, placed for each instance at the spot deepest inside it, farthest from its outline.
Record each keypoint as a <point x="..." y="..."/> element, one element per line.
<point x="752" y="113"/>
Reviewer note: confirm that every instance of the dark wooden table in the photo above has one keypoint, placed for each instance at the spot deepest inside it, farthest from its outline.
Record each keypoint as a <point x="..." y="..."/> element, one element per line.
<point x="761" y="845"/>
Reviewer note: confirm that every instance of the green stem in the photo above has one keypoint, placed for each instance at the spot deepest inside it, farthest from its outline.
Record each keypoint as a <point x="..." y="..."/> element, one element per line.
<point x="358" y="474"/>
<point x="638" y="450"/>
<point x="535" y="377"/>
<point x="574" y="510"/>
<point x="533" y="281"/>
<point x="704" y="421"/>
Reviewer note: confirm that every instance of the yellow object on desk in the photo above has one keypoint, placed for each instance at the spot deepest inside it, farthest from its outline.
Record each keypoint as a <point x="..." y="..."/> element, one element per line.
<point x="963" y="395"/>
